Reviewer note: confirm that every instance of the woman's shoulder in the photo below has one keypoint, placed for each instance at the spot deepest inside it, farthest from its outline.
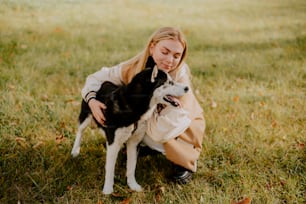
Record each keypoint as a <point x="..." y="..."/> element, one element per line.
<point x="184" y="69"/>
<point x="183" y="72"/>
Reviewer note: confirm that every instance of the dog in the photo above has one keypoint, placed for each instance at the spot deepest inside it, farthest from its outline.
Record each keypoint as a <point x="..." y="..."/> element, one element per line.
<point x="127" y="109"/>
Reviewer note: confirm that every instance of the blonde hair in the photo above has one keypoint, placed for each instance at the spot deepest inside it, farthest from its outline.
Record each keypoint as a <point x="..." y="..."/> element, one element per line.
<point x="136" y="64"/>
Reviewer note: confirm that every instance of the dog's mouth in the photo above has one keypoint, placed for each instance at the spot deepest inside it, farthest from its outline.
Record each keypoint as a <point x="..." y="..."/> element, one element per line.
<point x="172" y="100"/>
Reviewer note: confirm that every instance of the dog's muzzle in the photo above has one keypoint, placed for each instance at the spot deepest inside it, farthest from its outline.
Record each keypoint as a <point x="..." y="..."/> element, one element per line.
<point x="172" y="100"/>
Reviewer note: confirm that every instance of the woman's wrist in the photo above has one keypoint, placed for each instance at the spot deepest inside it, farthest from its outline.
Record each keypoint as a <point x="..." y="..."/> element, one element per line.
<point x="90" y="95"/>
<point x="88" y="100"/>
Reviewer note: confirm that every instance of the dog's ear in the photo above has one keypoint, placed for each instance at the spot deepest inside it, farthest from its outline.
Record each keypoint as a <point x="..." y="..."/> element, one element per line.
<point x="154" y="74"/>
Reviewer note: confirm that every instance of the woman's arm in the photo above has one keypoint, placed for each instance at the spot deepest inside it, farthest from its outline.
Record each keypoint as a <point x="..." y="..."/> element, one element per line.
<point x="93" y="84"/>
<point x="189" y="101"/>
<point x="95" y="80"/>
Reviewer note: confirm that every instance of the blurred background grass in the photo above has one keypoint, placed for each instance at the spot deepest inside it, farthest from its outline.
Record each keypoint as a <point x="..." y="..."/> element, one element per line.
<point x="248" y="65"/>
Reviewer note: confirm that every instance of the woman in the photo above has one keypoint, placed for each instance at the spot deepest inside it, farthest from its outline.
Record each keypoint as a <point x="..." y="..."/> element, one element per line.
<point x="176" y="132"/>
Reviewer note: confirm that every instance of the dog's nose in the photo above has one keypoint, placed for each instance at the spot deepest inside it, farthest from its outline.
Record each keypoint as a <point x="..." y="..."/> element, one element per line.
<point x="186" y="89"/>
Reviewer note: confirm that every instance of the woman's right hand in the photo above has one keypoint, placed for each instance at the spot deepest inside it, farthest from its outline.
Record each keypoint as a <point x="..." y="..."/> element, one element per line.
<point x="96" y="109"/>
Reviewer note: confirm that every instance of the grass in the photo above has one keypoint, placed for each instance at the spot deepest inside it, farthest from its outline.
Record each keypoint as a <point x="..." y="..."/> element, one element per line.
<point x="248" y="63"/>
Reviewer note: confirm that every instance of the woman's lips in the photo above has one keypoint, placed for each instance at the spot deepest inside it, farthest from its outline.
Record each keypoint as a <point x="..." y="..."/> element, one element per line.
<point x="166" y="67"/>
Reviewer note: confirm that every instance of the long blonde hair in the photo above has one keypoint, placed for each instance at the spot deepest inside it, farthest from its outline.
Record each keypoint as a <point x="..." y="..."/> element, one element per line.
<point x="136" y="64"/>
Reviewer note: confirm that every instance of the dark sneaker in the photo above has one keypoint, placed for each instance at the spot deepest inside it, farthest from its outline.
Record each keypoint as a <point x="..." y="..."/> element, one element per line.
<point x="182" y="175"/>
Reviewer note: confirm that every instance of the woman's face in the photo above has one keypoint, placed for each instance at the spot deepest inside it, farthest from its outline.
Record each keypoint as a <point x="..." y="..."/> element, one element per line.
<point x="167" y="54"/>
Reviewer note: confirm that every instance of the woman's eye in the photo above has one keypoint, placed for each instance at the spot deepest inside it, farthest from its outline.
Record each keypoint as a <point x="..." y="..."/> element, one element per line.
<point x="177" y="56"/>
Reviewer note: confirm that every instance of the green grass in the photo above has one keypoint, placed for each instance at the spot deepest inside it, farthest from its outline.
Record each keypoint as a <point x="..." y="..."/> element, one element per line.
<point x="249" y="67"/>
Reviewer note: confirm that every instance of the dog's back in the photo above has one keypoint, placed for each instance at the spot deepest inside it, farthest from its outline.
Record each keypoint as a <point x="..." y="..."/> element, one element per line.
<point x="125" y="103"/>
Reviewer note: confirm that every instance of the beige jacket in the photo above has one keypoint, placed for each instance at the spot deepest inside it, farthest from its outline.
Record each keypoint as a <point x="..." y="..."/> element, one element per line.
<point x="182" y="130"/>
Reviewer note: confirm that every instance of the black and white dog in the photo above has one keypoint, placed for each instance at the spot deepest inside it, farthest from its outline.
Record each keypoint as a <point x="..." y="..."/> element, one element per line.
<point x="128" y="108"/>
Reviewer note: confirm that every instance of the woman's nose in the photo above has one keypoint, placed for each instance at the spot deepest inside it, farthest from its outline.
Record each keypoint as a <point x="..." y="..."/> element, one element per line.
<point x="169" y="59"/>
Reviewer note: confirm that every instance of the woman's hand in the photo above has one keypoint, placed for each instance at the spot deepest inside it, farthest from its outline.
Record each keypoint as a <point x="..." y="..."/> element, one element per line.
<point x="96" y="109"/>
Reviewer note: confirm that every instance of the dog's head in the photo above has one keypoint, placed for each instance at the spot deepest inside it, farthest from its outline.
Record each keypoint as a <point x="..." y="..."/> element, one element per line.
<point x="159" y="84"/>
<point x="166" y="90"/>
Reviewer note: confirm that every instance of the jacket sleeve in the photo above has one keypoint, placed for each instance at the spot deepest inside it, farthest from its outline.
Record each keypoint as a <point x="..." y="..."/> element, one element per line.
<point x="189" y="101"/>
<point x="94" y="81"/>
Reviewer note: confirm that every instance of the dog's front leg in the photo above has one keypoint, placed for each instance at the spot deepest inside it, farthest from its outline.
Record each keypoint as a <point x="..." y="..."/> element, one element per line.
<point x="111" y="157"/>
<point x="121" y="135"/>
<point x="131" y="164"/>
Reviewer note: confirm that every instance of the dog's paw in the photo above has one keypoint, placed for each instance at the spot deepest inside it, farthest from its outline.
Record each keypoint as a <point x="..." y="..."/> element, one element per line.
<point x="135" y="187"/>
<point x="75" y="152"/>
<point x="107" y="190"/>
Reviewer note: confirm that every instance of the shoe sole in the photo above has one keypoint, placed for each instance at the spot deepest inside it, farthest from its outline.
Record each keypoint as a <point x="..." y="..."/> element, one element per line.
<point x="184" y="179"/>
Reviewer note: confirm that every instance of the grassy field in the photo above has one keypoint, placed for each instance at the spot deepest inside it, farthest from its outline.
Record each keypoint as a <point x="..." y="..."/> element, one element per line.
<point x="248" y="59"/>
